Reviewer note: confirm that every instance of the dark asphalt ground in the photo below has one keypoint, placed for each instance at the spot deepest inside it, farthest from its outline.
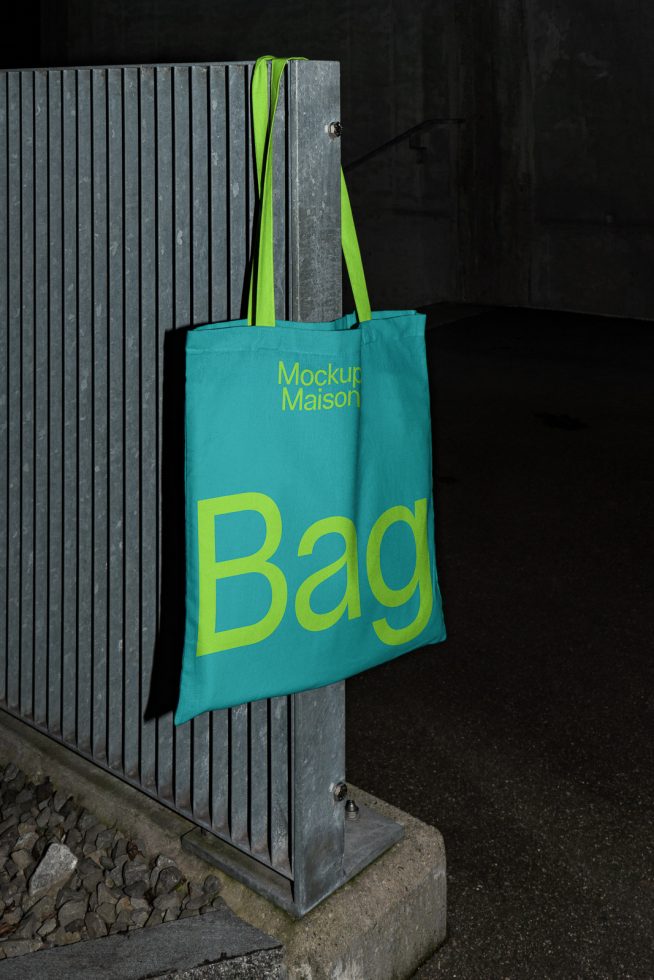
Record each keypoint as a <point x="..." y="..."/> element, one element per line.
<point x="526" y="737"/>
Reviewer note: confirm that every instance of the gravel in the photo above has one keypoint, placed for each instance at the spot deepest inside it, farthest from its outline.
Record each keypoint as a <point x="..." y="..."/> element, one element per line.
<point x="66" y="877"/>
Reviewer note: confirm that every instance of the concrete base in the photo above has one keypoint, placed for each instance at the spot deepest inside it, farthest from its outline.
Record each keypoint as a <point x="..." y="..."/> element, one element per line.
<point x="383" y="923"/>
<point x="379" y="926"/>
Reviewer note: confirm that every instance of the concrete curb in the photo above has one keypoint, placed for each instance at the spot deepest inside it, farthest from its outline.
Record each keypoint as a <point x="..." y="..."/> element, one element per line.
<point x="381" y="925"/>
<point x="213" y="946"/>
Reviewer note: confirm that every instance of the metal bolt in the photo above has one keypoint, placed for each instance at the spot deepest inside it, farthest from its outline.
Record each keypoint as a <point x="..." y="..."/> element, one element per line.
<point x="335" y="130"/>
<point x="351" y="810"/>
<point x="340" y="791"/>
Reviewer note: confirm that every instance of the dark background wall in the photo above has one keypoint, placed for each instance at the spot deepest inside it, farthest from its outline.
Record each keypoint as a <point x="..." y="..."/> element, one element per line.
<point x="541" y="196"/>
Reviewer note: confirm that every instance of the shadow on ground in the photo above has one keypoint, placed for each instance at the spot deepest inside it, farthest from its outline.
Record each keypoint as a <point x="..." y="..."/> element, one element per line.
<point x="527" y="737"/>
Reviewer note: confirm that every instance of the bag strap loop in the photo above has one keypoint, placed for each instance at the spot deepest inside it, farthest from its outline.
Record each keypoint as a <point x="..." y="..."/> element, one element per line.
<point x="261" y="301"/>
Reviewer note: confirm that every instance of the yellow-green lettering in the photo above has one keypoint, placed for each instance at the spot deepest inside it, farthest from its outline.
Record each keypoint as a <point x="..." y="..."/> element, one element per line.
<point x="291" y="378"/>
<point x="211" y="640"/>
<point x="421" y="577"/>
<point x="351" y="600"/>
<point x="292" y="403"/>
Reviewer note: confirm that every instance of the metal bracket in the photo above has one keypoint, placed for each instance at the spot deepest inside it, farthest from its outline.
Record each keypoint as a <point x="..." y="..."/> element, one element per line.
<point x="366" y="838"/>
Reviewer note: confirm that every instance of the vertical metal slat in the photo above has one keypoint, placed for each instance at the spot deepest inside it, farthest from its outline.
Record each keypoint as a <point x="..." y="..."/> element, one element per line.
<point x="165" y="320"/>
<point x="219" y="771"/>
<point x="279" y="205"/>
<point x="218" y="310"/>
<point x="55" y="388"/>
<point x="84" y="436"/>
<point x="199" y="152"/>
<point x="27" y="395"/>
<point x="4" y="375"/>
<point x="199" y="232"/>
<point x="148" y="355"/>
<point x="237" y="217"/>
<point x="238" y="774"/>
<point x="183" y="735"/>
<point x="258" y="767"/>
<point x="279" y="781"/>
<point x="219" y="270"/>
<point x="100" y="395"/>
<point x="14" y="395"/>
<point x="132" y="421"/>
<point x="115" y="398"/>
<point x="41" y="457"/>
<point x="70" y="389"/>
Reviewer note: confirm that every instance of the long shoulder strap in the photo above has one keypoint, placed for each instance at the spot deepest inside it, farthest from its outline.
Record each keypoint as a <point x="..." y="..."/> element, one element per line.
<point x="262" y="278"/>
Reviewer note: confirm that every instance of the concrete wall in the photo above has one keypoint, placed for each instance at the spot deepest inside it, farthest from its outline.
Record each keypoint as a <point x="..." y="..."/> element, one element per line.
<point x="542" y="197"/>
<point x="593" y="241"/>
<point x="395" y="65"/>
<point x="563" y="103"/>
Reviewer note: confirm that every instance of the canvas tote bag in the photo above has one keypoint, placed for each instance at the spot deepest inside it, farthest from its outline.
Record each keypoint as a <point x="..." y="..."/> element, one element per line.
<point x="309" y="517"/>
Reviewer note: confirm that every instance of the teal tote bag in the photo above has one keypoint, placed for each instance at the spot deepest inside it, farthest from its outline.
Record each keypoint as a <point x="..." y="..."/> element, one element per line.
<point x="309" y="516"/>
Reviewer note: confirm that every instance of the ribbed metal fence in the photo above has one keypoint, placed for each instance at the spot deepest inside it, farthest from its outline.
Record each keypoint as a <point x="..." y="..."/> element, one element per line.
<point x="126" y="213"/>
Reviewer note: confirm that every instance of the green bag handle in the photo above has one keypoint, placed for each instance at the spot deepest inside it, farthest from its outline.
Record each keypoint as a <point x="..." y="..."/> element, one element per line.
<point x="263" y="119"/>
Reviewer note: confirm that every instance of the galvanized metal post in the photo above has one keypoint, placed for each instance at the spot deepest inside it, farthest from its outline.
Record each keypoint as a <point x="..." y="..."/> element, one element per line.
<point x="318" y="717"/>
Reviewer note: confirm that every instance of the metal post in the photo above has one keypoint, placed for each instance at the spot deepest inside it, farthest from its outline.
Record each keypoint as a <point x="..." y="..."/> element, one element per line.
<point x="318" y="745"/>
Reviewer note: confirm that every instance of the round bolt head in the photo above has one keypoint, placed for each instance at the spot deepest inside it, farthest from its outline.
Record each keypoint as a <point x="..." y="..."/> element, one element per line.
<point x="340" y="791"/>
<point x="335" y="130"/>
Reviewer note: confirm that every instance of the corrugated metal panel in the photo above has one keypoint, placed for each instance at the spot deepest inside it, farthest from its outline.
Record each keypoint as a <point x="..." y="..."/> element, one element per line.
<point x="126" y="212"/>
